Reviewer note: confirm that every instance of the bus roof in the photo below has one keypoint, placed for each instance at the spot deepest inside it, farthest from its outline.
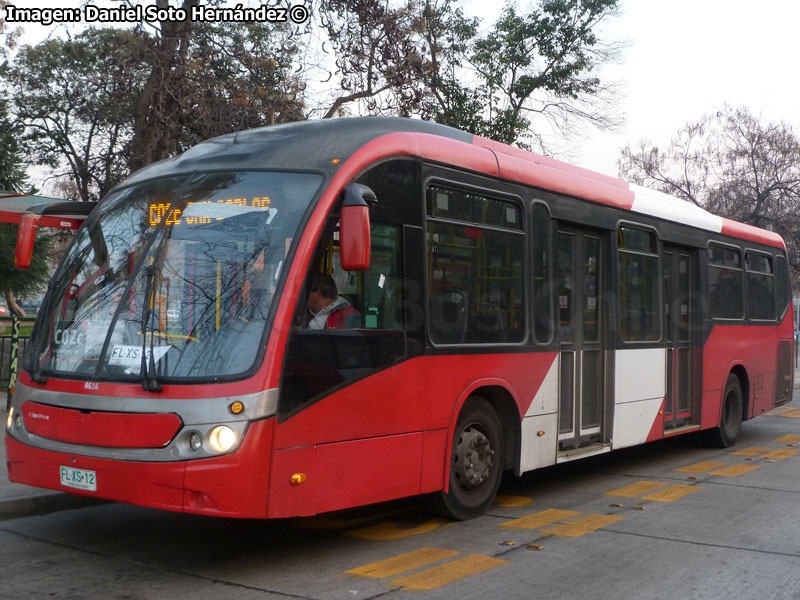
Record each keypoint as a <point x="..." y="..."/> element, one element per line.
<point x="325" y="145"/>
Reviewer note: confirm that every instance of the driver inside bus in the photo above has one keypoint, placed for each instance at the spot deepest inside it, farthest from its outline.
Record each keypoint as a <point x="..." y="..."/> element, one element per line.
<point x="327" y="309"/>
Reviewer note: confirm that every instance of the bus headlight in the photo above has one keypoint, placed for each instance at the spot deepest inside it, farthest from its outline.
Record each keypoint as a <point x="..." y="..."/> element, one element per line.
<point x="222" y="438"/>
<point x="10" y="418"/>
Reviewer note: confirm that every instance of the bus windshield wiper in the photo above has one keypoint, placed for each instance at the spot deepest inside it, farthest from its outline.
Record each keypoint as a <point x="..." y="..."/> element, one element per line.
<point x="147" y="368"/>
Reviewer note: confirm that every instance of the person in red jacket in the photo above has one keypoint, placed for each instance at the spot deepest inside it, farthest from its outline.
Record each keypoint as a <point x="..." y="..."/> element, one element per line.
<point x="327" y="309"/>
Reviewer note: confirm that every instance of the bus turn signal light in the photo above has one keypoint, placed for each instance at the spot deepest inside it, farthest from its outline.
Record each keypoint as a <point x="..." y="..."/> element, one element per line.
<point x="236" y="408"/>
<point x="298" y="479"/>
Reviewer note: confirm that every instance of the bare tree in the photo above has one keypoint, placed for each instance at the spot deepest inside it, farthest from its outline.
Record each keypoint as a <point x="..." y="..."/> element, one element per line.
<point x="374" y="48"/>
<point x="732" y="164"/>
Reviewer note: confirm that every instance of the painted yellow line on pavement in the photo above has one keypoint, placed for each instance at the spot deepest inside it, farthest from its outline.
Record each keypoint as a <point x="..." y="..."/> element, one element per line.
<point x="326" y="522"/>
<point x="392" y="531"/>
<point x="781" y="410"/>
<point x="672" y="493"/>
<point x="734" y="470"/>
<point x="540" y="519"/>
<point x="700" y="467"/>
<point x="402" y="563"/>
<point x="437" y="577"/>
<point x="512" y="501"/>
<point x="791" y="414"/>
<point x="582" y="526"/>
<point x="781" y="453"/>
<point x="751" y="451"/>
<point x="634" y="489"/>
<point x="788" y="439"/>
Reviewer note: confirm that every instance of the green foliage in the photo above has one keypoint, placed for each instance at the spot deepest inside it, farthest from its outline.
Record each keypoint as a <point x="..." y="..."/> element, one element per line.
<point x="75" y="98"/>
<point x="17" y="283"/>
<point x="109" y="100"/>
<point x="540" y="63"/>
<point x="208" y="79"/>
<point x="12" y="172"/>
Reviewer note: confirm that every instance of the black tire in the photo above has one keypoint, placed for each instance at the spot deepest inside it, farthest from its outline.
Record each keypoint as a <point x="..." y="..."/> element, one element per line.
<point x="730" y="424"/>
<point x="476" y="463"/>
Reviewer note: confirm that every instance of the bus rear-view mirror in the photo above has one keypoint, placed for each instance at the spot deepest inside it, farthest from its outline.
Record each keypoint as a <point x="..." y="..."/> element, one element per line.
<point x="354" y="234"/>
<point x="26" y="235"/>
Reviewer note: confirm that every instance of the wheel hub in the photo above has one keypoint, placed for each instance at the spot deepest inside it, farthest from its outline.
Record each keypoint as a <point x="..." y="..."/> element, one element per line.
<point x="473" y="458"/>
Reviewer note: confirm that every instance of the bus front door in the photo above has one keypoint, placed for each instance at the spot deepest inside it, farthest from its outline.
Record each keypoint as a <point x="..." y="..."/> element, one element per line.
<point x="579" y="271"/>
<point x="678" y="294"/>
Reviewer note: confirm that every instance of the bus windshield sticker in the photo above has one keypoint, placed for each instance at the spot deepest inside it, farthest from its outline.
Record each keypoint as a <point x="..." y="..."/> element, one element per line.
<point x="131" y="356"/>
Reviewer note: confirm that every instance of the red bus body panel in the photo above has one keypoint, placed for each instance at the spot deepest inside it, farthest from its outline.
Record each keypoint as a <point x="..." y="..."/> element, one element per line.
<point x="382" y="429"/>
<point x="106" y="429"/>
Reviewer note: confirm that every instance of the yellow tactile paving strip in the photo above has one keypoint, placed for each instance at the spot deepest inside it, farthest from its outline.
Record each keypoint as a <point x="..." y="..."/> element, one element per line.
<point x="402" y="563"/>
<point x="751" y="451"/>
<point x="672" y="493"/>
<point x="582" y="526"/>
<point x="391" y="531"/>
<point x="512" y="501"/>
<point x="734" y="470"/>
<point x="781" y="411"/>
<point x="700" y="467"/>
<point x="540" y="519"/>
<point x="781" y="453"/>
<point x="437" y="577"/>
<point x="635" y="489"/>
<point x="788" y="439"/>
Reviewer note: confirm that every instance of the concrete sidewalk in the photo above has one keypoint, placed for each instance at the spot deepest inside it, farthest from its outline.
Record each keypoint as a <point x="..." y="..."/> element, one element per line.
<point x="17" y="500"/>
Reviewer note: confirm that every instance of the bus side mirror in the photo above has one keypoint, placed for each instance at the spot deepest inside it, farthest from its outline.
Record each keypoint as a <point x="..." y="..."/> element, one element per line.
<point x="26" y="235"/>
<point x="354" y="234"/>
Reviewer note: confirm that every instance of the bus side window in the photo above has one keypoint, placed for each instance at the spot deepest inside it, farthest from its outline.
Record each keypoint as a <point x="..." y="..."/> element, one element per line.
<point x="476" y="247"/>
<point x="369" y="335"/>
<point x="725" y="282"/>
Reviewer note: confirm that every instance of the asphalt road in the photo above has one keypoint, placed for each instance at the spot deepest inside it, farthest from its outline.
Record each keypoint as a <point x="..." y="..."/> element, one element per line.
<point x="668" y="520"/>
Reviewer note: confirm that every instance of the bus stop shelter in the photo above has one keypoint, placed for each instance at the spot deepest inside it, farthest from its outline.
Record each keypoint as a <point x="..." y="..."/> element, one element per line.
<point x="31" y="212"/>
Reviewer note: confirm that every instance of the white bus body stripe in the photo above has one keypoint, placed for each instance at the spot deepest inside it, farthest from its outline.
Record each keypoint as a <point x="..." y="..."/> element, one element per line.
<point x="663" y="206"/>
<point x="640" y="386"/>
<point x="542" y="415"/>
<point x="546" y="399"/>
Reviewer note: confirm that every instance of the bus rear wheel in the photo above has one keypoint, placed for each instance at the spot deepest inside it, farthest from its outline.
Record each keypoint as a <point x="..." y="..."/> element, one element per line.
<point x="730" y="423"/>
<point x="476" y="462"/>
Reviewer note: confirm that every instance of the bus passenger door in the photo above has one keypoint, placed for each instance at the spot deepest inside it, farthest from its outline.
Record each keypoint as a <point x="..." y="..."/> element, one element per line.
<point x="679" y="317"/>
<point x="579" y="269"/>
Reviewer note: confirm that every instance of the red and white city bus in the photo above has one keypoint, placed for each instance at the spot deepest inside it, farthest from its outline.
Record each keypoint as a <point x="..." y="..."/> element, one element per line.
<point x="507" y="312"/>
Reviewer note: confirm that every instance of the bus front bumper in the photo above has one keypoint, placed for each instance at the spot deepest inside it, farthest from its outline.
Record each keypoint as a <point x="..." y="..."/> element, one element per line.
<point x="231" y="485"/>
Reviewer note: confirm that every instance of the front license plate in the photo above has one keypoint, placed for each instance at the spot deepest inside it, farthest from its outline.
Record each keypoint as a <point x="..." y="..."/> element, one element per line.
<point x="80" y="479"/>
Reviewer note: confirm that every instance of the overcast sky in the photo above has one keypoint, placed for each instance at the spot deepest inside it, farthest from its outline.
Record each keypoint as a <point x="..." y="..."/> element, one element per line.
<point x="684" y="58"/>
<point x="688" y="57"/>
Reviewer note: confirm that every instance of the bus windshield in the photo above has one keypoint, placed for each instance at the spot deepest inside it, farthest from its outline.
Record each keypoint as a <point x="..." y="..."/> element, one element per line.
<point x="172" y="278"/>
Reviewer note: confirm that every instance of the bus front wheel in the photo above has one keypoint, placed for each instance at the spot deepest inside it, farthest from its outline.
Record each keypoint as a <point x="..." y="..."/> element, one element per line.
<point x="730" y="423"/>
<point x="476" y="462"/>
